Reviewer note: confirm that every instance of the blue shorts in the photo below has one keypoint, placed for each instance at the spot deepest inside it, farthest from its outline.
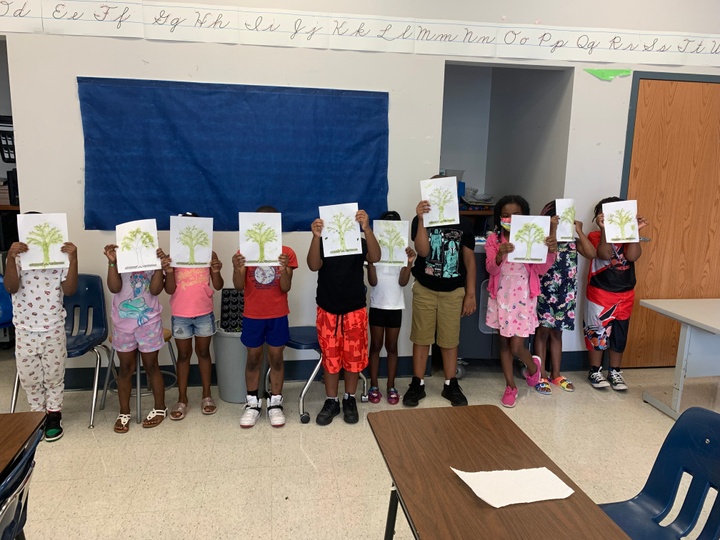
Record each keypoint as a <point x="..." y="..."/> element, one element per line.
<point x="187" y="327"/>
<point x="256" y="332"/>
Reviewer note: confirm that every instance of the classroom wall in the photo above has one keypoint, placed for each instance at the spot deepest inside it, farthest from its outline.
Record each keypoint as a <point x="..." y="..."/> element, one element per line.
<point x="43" y="71"/>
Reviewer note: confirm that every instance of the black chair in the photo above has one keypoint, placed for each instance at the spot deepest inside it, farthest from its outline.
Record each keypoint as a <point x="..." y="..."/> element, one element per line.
<point x="14" y="490"/>
<point x="692" y="447"/>
<point x="86" y="329"/>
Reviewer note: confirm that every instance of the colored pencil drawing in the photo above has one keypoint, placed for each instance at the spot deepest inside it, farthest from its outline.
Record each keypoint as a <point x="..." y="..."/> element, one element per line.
<point x="137" y="241"/>
<point x="340" y="225"/>
<point x="440" y="197"/>
<point x="45" y="235"/>
<point x="622" y="217"/>
<point x="261" y="233"/>
<point x="192" y="237"/>
<point x="530" y="234"/>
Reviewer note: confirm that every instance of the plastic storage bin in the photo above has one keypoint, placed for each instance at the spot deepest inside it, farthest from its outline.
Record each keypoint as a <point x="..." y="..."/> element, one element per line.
<point x="230" y="360"/>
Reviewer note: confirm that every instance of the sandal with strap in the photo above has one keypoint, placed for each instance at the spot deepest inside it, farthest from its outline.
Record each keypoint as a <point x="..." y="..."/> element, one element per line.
<point x="178" y="411"/>
<point x="393" y="396"/>
<point x="122" y="423"/>
<point x="155" y="418"/>
<point x="374" y="395"/>
<point x="208" y="406"/>
<point x="563" y="383"/>
<point x="543" y="387"/>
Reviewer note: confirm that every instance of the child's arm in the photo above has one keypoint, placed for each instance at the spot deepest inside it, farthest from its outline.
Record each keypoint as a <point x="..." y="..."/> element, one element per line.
<point x="114" y="281"/>
<point x="314" y="261"/>
<point x="12" y="279"/>
<point x="604" y="250"/>
<point x="495" y="254"/>
<point x="170" y="283"/>
<point x="69" y="286"/>
<point x="239" y="271"/>
<point x="422" y="242"/>
<point x="541" y="269"/>
<point x="286" y="273"/>
<point x="407" y="269"/>
<point x="157" y="282"/>
<point x="373" y="248"/>
<point x="584" y="246"/>
<point x="470" y="301"/>
<point x="215" y="275"/>
<point x="372" y="274"/>
<point x="634" y="249"/>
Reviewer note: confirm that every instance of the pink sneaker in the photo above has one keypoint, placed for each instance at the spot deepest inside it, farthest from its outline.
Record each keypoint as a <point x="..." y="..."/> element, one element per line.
<point x="393" y="397"/>
<point x="509" y="397"/>
<point x="374" y="395"/>
<point x="534" y="379"/>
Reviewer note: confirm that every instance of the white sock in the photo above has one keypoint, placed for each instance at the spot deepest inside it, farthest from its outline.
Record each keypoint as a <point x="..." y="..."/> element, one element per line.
<point x="334" y="398"/>
<point x="422" y="382"/>
<point x="346" y="396"/>
<point x="447" y="382"/>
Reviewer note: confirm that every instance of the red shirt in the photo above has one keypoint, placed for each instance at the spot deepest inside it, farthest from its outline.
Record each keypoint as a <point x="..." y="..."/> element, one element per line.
<point x="263" y="297"/>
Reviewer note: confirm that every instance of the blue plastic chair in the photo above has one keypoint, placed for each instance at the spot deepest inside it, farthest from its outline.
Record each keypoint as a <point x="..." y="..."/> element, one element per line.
<point x="86" y="329"/>
<point x="692" y="447"/>
<point x="14" y="491"/>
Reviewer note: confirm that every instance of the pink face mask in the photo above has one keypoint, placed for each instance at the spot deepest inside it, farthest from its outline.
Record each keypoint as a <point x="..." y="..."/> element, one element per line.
<point x="505" y="223"/>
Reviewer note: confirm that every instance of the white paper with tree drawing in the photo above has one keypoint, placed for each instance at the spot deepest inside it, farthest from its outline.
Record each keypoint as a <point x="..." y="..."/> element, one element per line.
<point x="528" y="234"/>
<point x="621" y="222"/>
<point x="260" y="237"/>
<point x="441" y="193"/>
<point x="341" y="233"/>
<point x="137" y="246"/>
<point x="44" y="235"/>
<point x="393" y="239"/>
<point x="191" y="241"/>
<point x="565" y="209"/>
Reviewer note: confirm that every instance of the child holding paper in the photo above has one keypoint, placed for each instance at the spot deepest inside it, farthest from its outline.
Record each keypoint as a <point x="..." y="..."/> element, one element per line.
<point x="386" y="308"/>
<point x="610" y="296"/>
<point x="513" y="289"/>
<point x="191" y="304"/>
<point x="557" y="300"/>
<point x="137" y="325"/>
<point x="39" y="320"/>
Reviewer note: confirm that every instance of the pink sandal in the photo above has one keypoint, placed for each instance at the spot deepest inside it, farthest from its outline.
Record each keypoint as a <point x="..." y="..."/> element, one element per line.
<point x="393" y="397"/>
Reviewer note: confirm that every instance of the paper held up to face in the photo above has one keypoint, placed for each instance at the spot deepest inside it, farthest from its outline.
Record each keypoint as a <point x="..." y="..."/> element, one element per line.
<point x="527" y="234"/>
<point x="620" y="219"/>
<point x="341" y="233"/>
<point x="137" y="246"/>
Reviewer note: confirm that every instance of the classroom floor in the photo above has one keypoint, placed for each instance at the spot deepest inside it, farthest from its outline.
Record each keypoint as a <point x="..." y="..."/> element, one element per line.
<point x="204" y="477"/>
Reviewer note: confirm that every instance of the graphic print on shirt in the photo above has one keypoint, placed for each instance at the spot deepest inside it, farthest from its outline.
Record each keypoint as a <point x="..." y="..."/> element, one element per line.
<point x="444" y="258"/>
<point x="265" y="277"/>
<point x="136" y="307"/>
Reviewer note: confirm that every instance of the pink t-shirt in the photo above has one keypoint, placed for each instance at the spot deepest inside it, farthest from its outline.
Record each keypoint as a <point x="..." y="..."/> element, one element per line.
<point x="193" y="296"/>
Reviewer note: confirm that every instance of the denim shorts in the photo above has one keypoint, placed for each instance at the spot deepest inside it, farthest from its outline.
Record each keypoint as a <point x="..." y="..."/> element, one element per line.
<point x="187" y="327"/>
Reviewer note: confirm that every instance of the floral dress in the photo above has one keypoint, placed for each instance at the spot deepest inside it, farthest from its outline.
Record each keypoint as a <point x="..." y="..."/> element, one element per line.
<point x="558" y="290"/>
<point x="513" y="312"/>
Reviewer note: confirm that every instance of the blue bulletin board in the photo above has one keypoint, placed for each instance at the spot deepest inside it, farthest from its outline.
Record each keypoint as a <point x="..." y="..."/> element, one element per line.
<point x="160" y="148"/>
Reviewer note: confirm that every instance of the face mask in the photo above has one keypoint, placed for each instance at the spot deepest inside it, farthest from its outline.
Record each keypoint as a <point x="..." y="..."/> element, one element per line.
<point x="505" y="223"/>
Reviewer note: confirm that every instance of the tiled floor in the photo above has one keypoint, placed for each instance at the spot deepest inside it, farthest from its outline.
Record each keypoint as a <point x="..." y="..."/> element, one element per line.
<point x="204" y="477"/>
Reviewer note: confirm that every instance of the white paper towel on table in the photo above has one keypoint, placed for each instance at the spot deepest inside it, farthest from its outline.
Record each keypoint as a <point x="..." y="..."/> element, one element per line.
<point x="501" y="488"/>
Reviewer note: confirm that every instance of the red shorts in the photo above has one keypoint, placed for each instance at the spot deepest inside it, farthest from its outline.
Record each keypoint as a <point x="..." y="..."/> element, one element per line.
<point x="343" y="340"/>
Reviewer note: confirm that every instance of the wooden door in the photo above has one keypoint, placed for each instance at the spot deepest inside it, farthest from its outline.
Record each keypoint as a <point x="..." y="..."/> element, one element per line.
<point x="675" y="176"/>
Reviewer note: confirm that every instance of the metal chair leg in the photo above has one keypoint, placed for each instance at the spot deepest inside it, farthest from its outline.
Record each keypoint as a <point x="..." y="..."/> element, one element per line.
<point x="110" y="372"/>
<point x="96" y="379"/>
<point x="16" y="389"/>
<point x="138" y="389"/>
<point x="267" y="381"/>
<point x="364" y="397"/>
<point x="304" y="416"/>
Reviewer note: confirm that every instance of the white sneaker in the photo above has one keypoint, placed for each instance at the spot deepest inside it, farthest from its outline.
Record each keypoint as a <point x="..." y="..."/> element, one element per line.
<point x="275" y="411"/>
<point x="252" y="412"/>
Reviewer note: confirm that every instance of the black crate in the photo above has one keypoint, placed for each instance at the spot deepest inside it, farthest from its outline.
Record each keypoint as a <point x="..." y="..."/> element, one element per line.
<point x="232" y="306"/>
<point x="7" y="146"/>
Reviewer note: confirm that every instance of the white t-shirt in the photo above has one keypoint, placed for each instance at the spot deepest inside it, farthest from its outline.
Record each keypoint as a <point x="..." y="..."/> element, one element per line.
<point x="38" y="303"/>
<point x="387" y="294"/>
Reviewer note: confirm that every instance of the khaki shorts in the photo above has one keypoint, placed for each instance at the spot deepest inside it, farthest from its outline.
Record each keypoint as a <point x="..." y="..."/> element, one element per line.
<point x="438" y="313"/>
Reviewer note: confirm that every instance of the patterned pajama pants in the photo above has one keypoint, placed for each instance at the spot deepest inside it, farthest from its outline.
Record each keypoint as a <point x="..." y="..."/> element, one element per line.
<point x="40" y="358"/>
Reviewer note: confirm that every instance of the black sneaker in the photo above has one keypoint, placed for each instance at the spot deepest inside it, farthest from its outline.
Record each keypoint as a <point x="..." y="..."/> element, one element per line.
<point x="415" y="393"/>
<point x="453" y="393"/>
<point x="596" y="379"/>
<point x="350" y="412"/>
<point x="330" y="410"/>
<point x="616" y="380"/>
<point x="53" y="426"/>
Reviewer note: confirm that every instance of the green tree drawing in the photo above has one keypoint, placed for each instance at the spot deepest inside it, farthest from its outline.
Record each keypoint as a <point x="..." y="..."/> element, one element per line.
<point x="192" y="237"/>
<point x="530" y="234"/>
<point x="390" y="237"/>
<point x="261" y="233"/>
<point x="440" y="197"/>
<point x="45" y="235"/>
<point x="622" y="218"/>
<point x="340" y="224"/>
<point x="568" y="216"/>
<point x="137" y="240"/>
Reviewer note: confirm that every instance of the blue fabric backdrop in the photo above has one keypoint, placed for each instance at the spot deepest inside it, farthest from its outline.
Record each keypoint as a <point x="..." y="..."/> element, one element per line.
<point x="160" y="148"/>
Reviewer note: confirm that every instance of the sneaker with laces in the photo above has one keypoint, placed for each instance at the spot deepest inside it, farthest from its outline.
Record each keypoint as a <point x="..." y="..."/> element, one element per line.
<point x="453" y="393"/>
<point x="330" y="410"/>
<point x="350" y="411"/>
<point x="252" y="412"/>
<point x="415" y="393"/>
<point x="53" y="426"/>
<point x="596" y="379"/>
<point x="275" y="411"/>
<point x="509" y="397"/>
<point x="616" y="380"/>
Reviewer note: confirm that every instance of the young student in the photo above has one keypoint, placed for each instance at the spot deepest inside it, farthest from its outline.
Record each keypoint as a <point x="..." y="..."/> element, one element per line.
<point x="191" y="304"/>
<point x="387" y="303"/>
<point x="265" y="320"/>
<point x="444" y="290"/>
<point x="39" y="320"/>
<point x="137" y="325"/>
<point x="342" y="318"/>
<point x="513" y="289"/>
<point x="557" y="300"/>
<point x="610" y="296"/>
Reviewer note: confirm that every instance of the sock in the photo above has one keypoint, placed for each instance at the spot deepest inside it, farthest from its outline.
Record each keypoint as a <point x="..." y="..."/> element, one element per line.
<point x="253" y="393"/>
<point x="334" y="398"/>
<point x="346" y="395"/>
<point x="595" y="369"/>
<point x="422" y="382"/>
<point x="447" y="382"/>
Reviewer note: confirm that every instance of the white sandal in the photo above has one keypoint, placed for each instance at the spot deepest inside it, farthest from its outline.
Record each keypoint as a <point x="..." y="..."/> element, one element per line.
<point x="151" y="415"/>
<point x="124" y="420"/>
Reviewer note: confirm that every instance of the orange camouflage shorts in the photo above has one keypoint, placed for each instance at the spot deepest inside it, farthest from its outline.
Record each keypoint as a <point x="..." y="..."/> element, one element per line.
<point x="343" y="340"/>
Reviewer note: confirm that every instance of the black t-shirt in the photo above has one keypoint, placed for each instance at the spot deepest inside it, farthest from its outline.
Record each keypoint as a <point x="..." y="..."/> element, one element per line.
<point x="341" y="282"/>
<point x="444" y="268"/>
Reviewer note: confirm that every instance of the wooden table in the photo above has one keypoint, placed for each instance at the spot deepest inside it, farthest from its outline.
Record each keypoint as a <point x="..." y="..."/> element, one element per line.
<point x="15" y="431"/>
<point x="420" y="446"/>
<point x="698" y="345"/>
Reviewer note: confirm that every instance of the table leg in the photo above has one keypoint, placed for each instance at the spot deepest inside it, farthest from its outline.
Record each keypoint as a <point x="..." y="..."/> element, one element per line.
<point x="673" y="411"/>
<point x="392" y="515"/>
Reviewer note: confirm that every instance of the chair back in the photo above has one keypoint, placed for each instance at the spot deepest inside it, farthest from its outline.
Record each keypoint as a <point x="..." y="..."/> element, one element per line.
<point x="86" y="321"/>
